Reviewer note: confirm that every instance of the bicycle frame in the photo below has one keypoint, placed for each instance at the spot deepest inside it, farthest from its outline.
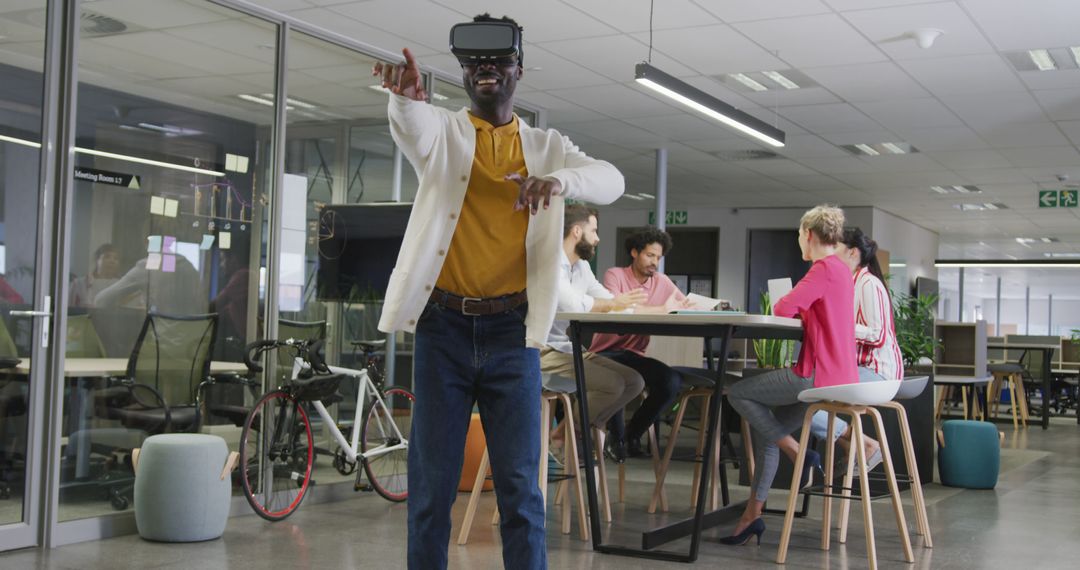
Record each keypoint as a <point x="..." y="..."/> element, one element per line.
<point x="352" y="447"/>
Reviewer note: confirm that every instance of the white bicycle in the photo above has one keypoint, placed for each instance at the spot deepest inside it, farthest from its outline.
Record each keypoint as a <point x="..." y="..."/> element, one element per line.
<point x="277" y="450"/>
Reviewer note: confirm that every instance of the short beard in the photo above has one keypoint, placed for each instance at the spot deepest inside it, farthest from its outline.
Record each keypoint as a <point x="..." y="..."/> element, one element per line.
<point x="584" y="250"/>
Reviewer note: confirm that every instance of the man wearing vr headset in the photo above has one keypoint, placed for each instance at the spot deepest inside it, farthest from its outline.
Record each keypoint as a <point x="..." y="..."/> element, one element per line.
<point x="477" y="280"/>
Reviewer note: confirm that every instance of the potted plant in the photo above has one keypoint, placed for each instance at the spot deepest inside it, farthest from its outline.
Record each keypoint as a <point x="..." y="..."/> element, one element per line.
<point x="914" y="318"/>
<point x="772" y="353"/>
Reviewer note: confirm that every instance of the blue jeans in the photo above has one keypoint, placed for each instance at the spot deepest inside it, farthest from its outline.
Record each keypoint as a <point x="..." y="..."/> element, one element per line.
<point x="460" y="360"/>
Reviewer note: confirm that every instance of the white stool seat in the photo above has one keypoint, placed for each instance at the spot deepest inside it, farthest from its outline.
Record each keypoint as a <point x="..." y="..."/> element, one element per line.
<point x="857" y="394"/>
<point x="558" y="383"/>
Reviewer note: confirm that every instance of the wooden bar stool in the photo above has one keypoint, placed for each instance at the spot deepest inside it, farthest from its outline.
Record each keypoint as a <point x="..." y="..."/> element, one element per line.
<point x="556" y="389"/>
<point x="1011" y="375"/>
<point x="852" y="400"/>
<point x="702" y="388"/>
<point x="911" y="387"/>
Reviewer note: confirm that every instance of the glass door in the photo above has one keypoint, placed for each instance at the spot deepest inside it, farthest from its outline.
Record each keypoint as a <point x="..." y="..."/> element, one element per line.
<point x="24" y="307"/>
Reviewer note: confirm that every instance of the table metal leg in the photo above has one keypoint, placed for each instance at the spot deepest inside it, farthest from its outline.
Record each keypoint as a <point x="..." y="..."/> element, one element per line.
<point x="1046" y="388"/>
<point x="586" y="443"/>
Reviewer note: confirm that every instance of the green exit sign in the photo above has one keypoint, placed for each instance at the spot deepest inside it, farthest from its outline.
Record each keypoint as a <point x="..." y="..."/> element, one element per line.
<point x="1058" y="198"/>
<point x="674" y="218"/>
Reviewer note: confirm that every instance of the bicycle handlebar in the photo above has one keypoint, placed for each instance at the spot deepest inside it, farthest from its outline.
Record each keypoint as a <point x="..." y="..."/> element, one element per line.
<point x="308" y="350"/>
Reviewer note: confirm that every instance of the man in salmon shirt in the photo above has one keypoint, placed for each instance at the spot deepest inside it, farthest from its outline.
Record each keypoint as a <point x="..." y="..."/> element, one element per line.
<point x="646" y="248"/>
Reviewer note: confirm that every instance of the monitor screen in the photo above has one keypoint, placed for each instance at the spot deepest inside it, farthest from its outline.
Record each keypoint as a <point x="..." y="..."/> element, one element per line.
<point x="358" y="248"/>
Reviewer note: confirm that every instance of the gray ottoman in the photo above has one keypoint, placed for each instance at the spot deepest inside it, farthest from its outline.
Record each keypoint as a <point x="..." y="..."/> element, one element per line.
<point x="182" y="487"/>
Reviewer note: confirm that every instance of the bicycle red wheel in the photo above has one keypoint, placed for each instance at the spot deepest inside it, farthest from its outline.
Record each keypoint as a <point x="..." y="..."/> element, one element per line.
<point x="277" y="455"/>
<point x="388" y="472"/>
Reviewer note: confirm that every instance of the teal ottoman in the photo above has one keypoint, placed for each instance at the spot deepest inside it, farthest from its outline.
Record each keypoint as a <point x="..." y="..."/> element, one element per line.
<point x="969" y="454"/>
<point x="182" y="487"/>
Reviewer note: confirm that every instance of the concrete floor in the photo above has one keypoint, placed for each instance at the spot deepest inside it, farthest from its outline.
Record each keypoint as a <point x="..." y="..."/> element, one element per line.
<point x="1032" y="520"/>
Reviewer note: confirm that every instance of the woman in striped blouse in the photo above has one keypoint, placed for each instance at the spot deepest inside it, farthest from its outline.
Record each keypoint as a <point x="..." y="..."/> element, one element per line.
<point x="875" y="332"/>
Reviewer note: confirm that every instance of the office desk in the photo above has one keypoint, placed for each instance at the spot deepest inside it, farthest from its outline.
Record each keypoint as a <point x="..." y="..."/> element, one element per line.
<point x="1047" y="350"/>
<point x="98" y="367"/>
<point x="720" y="326"/>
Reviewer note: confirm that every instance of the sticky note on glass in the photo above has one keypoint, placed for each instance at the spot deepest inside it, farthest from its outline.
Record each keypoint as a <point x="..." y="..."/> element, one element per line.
<point x="241" y="163"/>
<point x="168" y="244"/>
<point x="207" y="241"/>
<point x="153" y="261"/>
<point x="171" y="207"/>
<point x="157" y="205"/>
<point x="153" y="244"/>
<point x="224" y="240"/>
<point x="168" y="263"/>
<point x="230" y="162"/>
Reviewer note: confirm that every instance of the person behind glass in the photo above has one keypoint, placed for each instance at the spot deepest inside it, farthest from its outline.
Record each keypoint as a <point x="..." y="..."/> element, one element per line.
<point x="824" y="299"/>
<point x="105" y="272"/>
<point x="609" y="385"/>
<point x="876" y="348"/>
<point x="646" y="248"/>
<point x="477" y="281"/>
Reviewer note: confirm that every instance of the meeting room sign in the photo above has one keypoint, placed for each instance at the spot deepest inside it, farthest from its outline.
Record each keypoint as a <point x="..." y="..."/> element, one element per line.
<point x="105" y="177"/>
<point x="1058" y="198"/>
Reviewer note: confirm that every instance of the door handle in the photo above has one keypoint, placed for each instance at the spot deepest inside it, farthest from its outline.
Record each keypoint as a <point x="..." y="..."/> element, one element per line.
<point x="30" y="313"/>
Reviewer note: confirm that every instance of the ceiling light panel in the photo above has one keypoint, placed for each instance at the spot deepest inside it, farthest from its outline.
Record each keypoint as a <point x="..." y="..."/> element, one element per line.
<point x="768" y="80"/>
<point x="956" y="189"/>
<point x="878" y="149"/>
<point x="1042" y="60"/>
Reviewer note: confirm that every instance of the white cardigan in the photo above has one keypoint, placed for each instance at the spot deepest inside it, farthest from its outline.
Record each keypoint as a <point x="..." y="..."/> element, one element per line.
<point x="440" y="145"/>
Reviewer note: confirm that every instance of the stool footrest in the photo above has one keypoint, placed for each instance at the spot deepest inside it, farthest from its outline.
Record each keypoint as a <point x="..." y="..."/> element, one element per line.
<point x="834" y="493"/>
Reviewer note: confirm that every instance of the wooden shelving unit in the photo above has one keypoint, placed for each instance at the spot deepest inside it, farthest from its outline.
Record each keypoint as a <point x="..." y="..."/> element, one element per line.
<point x="960" y="349"/>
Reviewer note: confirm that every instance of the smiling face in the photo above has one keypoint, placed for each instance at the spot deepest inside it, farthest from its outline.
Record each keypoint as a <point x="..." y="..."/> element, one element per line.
<point x="491" y="85"/>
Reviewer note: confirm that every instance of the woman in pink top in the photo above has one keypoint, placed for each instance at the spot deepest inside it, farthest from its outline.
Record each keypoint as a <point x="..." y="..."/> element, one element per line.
<point x="824" y="300"/>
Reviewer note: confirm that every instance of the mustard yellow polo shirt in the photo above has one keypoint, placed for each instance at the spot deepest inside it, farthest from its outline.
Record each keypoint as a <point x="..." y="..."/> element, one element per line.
<point x="487" y="253"/>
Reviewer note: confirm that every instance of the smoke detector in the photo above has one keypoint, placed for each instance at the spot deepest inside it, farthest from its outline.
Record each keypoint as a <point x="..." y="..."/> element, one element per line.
<point x="925" y="37"/>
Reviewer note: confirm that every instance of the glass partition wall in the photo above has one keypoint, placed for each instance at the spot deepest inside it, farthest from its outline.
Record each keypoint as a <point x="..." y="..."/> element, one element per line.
<point x="22" y="100"/>
<point x="147" y="208"/>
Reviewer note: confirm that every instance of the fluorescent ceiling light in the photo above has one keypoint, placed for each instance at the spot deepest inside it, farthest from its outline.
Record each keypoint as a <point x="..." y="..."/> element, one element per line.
<point x="976" y="207"/>
<point x="956" y="189"/>
<point x="646" y="195"/>
<point x="381" y="89"/>
<point x="781" y="79"/>
<point x="707" y="105"/>
<point x="747" y="81"/>
<point x="1076" y="54"/>
<point x="258" y="100"/>
<point x="940" y="190"/>
<point x="123" y="157"/>
<point x="139" y="160"/>
<point x="633" y="197"/>
<point x="867" y="149"/>
<point x="1041" y="58"/>
<point x="1005" y="263"/>
<point x="891" y="147"/>
<point x="897" y="265"/>
<point x="1067" y="255"/>
<point x="290" y="101"/>
<point x="22" y="142"/>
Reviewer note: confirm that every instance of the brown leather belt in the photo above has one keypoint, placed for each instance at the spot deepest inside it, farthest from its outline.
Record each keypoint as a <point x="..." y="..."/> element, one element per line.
<point x="476" y="306"/>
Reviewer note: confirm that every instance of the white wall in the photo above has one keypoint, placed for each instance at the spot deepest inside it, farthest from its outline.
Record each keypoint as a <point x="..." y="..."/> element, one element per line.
<point x="906" y="242"/>
<point x="733" y="225"/>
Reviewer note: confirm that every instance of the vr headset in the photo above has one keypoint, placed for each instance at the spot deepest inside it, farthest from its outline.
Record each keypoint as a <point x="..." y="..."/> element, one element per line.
<point x="479" y="42"/>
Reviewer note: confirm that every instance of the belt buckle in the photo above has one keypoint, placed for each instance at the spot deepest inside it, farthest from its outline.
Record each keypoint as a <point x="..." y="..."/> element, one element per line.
<point x="464" y="301"/>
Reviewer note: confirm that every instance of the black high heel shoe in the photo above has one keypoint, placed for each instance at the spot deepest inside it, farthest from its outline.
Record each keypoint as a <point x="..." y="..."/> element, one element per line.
<point x="756" y="528"/>
<point x="811" y="463"/>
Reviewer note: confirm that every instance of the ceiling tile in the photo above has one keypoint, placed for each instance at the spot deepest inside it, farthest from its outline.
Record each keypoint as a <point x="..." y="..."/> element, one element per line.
<point x="991" y="109"/>
<point x="613" y="56"/>
<point x="841" y="5"/>
<point x="813" y="40"/>
<point x="964" y="74"/>
<point x="867" y="81"/>
<point x="556" y="72"/>
<point x="1022" y="135"/>
<point x="969" y="159"/>
<point x="433" y="30"/>
<point x="618" y="133"/>
<point x="913" y="113"/>
<point x="830" y="118"/>
<point x="683" y="126"/>
<point x="992" y="175"/>
<point x="1029" y="24"/>
<point x="813" y="182"/>
<point x="159" y="15"/>
<point x="711" y="50"/>
<point x="617" y="100"/>
<point x="543" y="21"/>
<point x="1042" y="156"/>
<point x="1060" y="104"/>
<point x="561" y="111"/>
<point x="788" y="97"/>
<point x="748" y="11"/>
<point x="1071" y="130"/>
<point x="889" y="29"/>
<point x="361" y="32"/>
<point x="811" y="146"/>
<point x="943" y="138"/>
<point x="838" y="165"/>
<point x="779" y="167"/>
<point x="634" y="16"/>
<point x="1057" y="79"/>
<point x="858" y="137"/>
